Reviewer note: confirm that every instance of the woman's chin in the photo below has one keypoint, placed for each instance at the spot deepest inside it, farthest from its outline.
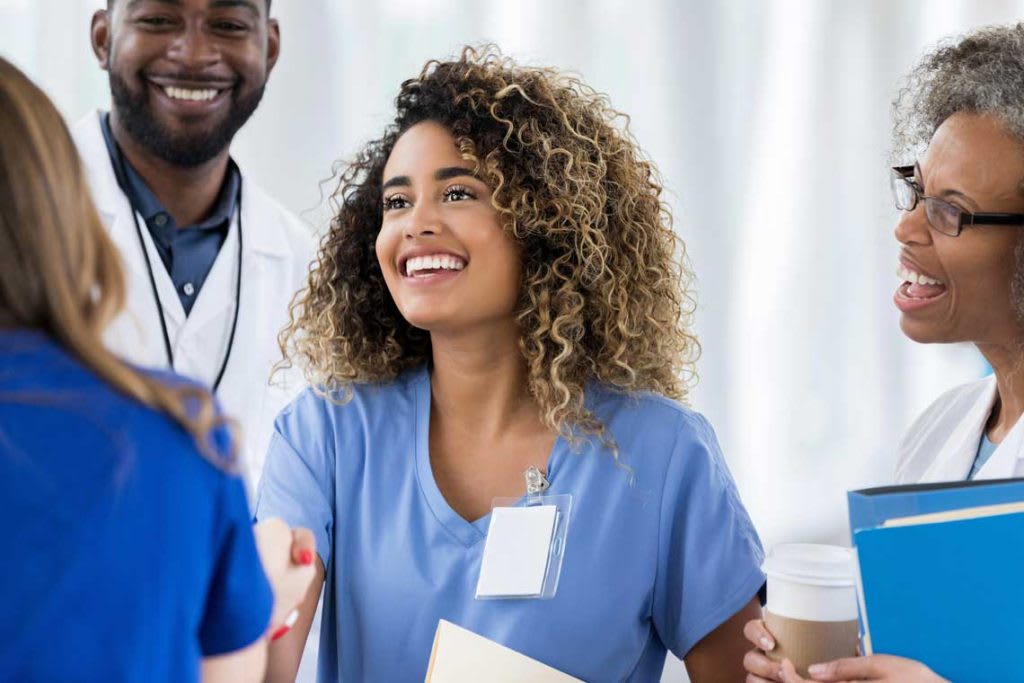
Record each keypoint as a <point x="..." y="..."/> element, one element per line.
<point x="426" y="322"/>
<point x="925" y="333"/>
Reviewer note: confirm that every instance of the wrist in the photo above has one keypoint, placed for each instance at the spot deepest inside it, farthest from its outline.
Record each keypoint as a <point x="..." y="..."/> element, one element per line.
<point x="277" y="631"/>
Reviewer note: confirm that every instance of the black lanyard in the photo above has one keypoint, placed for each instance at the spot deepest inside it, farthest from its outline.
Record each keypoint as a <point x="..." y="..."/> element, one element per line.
<point x="122" y="181"/>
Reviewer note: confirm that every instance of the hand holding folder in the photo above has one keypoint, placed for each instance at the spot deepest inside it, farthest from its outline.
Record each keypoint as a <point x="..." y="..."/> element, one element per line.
<point x="461" y="656"/>
<point x="941" y="568"/>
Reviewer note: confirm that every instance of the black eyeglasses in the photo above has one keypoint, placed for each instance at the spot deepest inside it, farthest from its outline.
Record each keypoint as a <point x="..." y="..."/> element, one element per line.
<point x="942" y="216"/>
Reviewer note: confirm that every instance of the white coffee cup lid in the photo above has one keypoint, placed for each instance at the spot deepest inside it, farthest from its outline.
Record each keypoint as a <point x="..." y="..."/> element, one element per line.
<point x="811" y="563"/>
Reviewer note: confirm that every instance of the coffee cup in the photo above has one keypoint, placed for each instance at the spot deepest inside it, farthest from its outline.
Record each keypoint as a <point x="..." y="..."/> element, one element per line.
<point x="812" y="603"/>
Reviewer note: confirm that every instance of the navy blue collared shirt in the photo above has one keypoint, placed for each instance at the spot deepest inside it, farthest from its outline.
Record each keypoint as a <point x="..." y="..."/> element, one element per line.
<point x="188" y="252"/>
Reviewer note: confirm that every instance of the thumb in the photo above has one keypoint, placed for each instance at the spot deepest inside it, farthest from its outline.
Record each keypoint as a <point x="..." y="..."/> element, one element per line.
<point x="303" y="546"/>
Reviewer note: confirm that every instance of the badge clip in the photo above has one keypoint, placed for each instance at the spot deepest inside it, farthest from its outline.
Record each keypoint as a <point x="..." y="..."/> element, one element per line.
<point x="536" y="482"/>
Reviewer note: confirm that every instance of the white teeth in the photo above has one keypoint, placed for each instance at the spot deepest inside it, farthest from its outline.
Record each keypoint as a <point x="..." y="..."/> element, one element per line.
<point x="915" y="278"/>
<point x="188" y="94"/>
<point x="433" y="262"/>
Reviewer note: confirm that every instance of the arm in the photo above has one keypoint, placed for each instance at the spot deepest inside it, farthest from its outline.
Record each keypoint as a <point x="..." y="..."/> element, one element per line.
<point x="289" y="578"/>
<point x="250" y="664"/>
<point x="298" y="485"/>
<point x="287" y="556"/>
<point x="286" y="651"/>
<point x="718" y="657"/>
<point x="245" y="665"/>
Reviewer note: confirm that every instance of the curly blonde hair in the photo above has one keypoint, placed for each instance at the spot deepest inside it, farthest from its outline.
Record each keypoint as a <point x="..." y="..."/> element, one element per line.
<point x="605" y="295"/>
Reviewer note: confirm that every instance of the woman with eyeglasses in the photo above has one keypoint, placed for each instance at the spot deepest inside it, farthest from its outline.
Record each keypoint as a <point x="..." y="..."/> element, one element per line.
<point x="961" y="271"/>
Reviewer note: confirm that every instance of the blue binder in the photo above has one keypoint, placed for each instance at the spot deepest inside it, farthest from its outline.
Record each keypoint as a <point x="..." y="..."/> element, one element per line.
<point x="948" y="594"/>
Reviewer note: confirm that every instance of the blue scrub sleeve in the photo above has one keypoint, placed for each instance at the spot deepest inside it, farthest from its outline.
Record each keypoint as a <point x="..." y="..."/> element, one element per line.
<point x="239" y="599"/>
<point x="710" y="557"/>
<point x="298" y="475"/>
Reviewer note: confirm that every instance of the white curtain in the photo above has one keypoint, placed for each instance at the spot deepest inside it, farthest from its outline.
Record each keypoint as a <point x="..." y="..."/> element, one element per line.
<point x="769" y="120"/>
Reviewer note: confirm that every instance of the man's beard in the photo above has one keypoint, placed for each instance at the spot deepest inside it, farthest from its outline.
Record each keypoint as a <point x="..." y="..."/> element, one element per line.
<point x="136" y="115"/>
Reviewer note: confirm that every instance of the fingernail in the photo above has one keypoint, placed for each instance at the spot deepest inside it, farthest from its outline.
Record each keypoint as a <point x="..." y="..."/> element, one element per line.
<point x="306" y="557"/>
<point x="280" y="632"/>
<point x="815" y="669"/>
<point x="767" y="643"/>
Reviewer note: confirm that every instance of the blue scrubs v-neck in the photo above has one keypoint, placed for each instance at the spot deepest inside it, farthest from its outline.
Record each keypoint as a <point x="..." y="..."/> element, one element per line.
<point x="466" y="532"/>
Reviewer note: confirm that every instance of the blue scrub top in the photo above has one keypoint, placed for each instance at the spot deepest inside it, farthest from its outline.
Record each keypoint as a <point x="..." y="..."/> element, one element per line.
<point x="651" y="566"/>
<point x="127" y="556"/>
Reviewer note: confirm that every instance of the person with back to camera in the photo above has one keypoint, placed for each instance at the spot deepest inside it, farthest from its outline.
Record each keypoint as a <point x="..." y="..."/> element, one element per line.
<point x="501" y="290"/>
<point x="131" y="555"/>
<point x="961" y="269"/>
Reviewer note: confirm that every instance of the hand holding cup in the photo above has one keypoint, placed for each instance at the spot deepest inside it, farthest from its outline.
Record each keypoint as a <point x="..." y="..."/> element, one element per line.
<point x="811" y="614"/>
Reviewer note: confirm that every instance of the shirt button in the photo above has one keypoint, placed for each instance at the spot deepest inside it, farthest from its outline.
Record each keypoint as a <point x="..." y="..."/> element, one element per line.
<point x="161" y="219"/>
<point x="189" y="289"/>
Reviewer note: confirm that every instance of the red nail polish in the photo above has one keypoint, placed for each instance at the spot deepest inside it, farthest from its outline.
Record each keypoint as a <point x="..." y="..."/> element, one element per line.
<point x="280" y="632"/>
<point x="306" y="557"/>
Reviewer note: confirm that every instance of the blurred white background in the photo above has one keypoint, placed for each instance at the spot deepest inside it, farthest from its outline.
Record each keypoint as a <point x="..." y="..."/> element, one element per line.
<point x="769" y="120"/>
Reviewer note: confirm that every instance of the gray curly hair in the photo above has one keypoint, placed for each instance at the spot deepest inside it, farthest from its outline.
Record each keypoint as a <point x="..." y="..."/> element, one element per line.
<point x="981" y="72"/>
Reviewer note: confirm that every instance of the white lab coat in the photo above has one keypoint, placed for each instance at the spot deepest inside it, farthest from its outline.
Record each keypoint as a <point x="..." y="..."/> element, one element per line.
<point x="942" y="443"/>
<point x="278" y="248"/>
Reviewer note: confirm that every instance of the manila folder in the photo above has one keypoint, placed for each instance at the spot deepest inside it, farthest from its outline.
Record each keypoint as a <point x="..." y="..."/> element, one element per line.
<point x="461" y="656"/>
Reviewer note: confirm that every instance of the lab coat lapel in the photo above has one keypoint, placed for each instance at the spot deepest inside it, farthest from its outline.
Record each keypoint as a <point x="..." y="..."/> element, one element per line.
<point x="135" y="333"/>
<point x="953" y="463"/>
<point x="263" y="249"/>
<point x="1006" y="461"/>
<point x="110" y="201"/>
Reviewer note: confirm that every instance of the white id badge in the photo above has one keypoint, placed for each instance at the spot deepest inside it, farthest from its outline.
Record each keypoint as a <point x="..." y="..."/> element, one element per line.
<point x="524" y="548"/>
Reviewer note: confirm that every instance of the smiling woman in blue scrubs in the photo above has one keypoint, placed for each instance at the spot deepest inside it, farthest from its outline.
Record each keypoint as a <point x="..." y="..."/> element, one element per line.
<point x="500" y="290"/>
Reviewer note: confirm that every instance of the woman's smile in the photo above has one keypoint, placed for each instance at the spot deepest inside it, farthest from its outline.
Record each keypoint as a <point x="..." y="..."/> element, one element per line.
<point x="431" y="268"/>
<point x="916" y="290"/>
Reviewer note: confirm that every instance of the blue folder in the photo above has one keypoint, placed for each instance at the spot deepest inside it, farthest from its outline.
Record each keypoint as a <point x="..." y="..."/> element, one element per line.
<point x="948" y="594"/>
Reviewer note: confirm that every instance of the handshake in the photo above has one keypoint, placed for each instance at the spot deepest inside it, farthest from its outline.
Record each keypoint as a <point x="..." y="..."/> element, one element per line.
<point x="288" y="557"/>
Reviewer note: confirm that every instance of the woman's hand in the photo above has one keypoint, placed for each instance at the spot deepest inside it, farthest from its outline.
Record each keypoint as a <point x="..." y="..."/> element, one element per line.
<point x="288" y="556"/>
<point x="760" y="668"/>
<point x="877" y="668"/>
